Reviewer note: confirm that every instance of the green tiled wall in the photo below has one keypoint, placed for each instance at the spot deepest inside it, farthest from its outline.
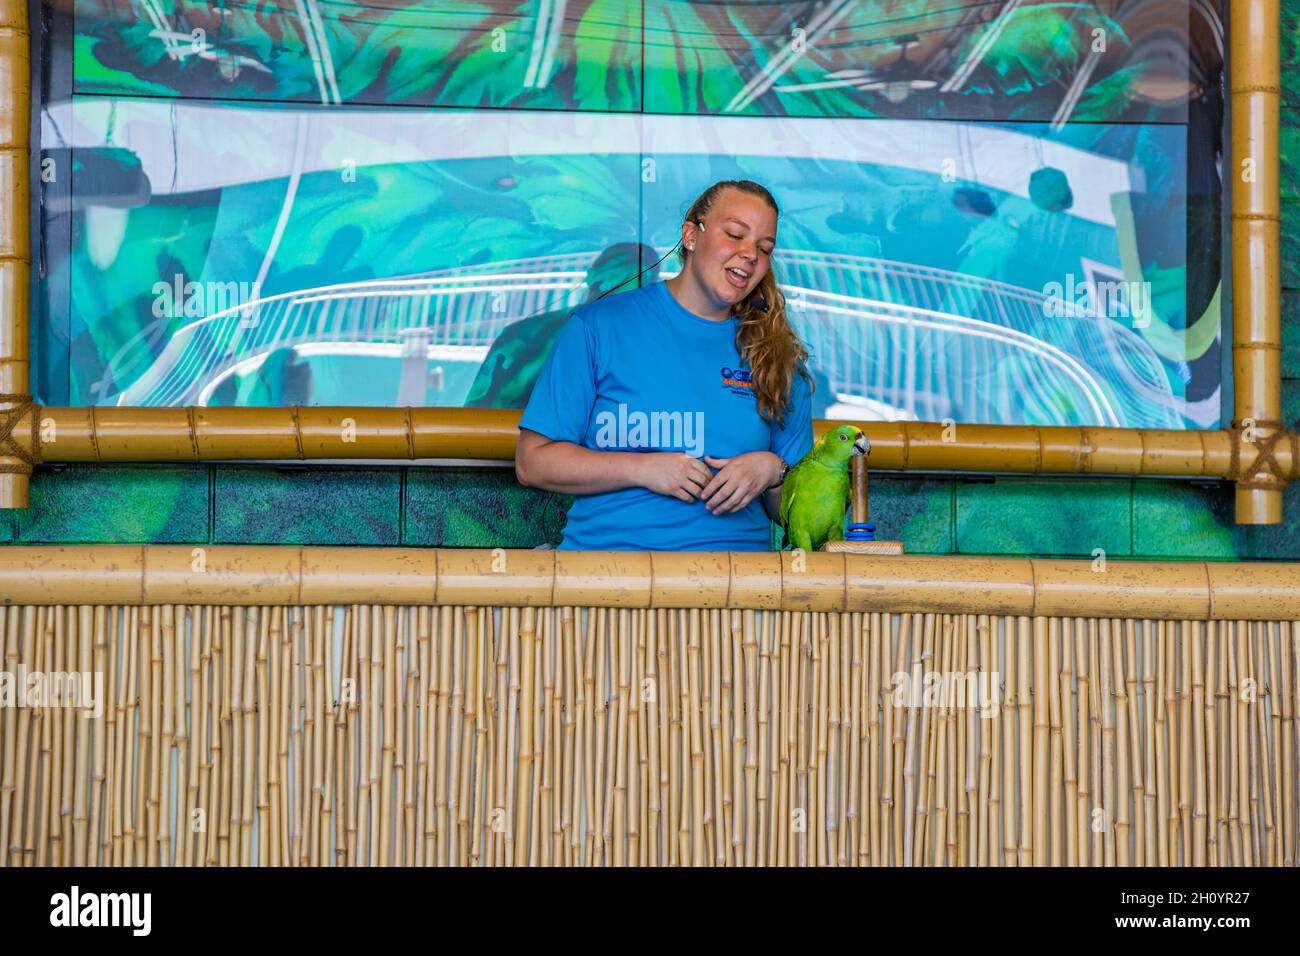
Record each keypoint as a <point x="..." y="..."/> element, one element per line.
<point x="485" y="507"/>
<point x="250" y="504"/>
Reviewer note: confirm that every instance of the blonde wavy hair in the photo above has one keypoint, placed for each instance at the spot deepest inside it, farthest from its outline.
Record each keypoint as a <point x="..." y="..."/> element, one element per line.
<point x="765" y="339"/>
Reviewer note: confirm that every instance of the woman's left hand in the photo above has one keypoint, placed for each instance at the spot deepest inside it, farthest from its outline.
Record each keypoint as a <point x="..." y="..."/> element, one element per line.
<point x="740" y="479"/>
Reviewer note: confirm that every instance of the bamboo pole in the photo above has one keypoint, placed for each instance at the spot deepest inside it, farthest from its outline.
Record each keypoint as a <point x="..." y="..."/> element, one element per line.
<point x="165" y="662"/>
<point x="869" y="798"/>
<point x="65" y="637"/>
<point x="97" y="837"/>
<point x="1290" y="682"/>
<point x="1120" y="755"/>
<point x="467" y="663"/>
<point x="1008" y="750"/>
<point x="1272" y="650"/>
<point x="1149" y="703"/>
<point x="145" y="730"/>
<point x="461" y="715"/>
<point x="939" y="773"/>
<point x="1186" y="641"/>
<point x="247" y="576"/>
<point x="1041" y="734"/>
<point x="1223" y="768"/>
<point x="1196" y="671"/>
<point x="8" y="728"/>
<point x="885" y="835"/>
<point x="1204" y="773"/>
<point x="1075" y="809"/>
<point x="1133" y="732"/>
<point x="1254" y="86"/>
<point x="124" y="433"/>
<point x="17" y="413"/>
<point x="784" y="770"/>
<point x="1255" y="722"/>
<point x="39" y="834"/>
<point x="692" y="706"/>
<point x="265" y="638"/>
<point x="1052" y="690"/>
<point x="631" y="752"/>
<point x="569" y="822"/>
<point x="522" y="694"/>
<point x="287" y="725"/>
<point x="481" y="652"/>
<point x="932" y="633"/>
<point x="813" y="761"/>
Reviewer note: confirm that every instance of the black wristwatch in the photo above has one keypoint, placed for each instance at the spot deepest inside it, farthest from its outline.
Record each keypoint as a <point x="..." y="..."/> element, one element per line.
<point x="785" y="470"/>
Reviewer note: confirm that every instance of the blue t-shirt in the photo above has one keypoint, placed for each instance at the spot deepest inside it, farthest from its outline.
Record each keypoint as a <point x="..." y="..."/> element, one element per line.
<point x="636" y="371"/>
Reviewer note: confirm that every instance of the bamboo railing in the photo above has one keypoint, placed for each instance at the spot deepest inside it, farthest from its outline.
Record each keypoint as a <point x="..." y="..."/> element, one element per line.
<point x="94" y="434"/>
<point x="344" y="706"/>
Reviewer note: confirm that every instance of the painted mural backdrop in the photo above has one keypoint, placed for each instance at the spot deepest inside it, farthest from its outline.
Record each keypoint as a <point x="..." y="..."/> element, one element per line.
<point x="991" y="212"/>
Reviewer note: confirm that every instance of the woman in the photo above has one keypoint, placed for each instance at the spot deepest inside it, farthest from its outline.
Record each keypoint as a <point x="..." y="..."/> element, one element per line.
<point x="647" y="392"/>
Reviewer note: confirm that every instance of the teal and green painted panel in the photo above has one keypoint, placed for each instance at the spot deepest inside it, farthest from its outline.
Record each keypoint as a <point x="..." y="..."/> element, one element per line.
<point x="449" y="53"/>
<point x="915" y="510"/>
<point x="1062" y="516"/>
<point x="114" y="504"/>
<point x="1290" y="334"/>
<point x="479" y="508"/>
<point x="1173" y="519"/>
<point x="947" y="59"/>
<point x="316" y="505"/>
<point x="1290" y="53"/>
<point x="486" y="507"/>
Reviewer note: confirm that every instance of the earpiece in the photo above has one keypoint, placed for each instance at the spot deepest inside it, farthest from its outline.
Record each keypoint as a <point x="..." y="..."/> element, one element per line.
<point x="700" y="223"/>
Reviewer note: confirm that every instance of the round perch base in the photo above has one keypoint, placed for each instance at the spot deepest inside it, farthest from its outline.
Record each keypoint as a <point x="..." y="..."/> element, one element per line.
<point x="865" y="547"/>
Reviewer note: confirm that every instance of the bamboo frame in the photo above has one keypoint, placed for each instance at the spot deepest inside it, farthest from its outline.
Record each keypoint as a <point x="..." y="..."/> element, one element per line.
<point x="116" y="434"/>
<point x="462" y="735"/>
<point x="1255" y="94"/>
<point x="16" y="457"/>
<point x="1257" y="452"/>
<point x="150" y="575"/>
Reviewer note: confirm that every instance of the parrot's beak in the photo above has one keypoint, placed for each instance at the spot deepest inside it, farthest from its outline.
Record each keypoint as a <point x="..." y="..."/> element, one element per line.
<point x="860" y="445"/>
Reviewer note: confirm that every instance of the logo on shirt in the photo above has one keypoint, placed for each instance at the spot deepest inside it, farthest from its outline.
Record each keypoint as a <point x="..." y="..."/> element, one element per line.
<point x="737" y="381"/>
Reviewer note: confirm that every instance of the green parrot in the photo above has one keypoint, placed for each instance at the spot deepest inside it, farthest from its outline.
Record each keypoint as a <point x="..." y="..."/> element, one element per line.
<point x="817" y="491"/>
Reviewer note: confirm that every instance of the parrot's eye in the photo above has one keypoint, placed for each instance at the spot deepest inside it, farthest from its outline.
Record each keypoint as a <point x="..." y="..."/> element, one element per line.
<point x="844" y="437"/>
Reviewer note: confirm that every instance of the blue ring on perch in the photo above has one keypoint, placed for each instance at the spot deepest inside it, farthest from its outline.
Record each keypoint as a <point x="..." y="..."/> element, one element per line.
<point x="860" y="531"/>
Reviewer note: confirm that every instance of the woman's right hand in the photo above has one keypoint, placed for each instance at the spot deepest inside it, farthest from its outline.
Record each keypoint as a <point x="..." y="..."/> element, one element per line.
<point x="675" y="474"/>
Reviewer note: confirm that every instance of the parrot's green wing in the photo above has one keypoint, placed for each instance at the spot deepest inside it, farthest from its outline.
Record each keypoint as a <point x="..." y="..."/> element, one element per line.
<point x="848" y="497"/>
<point x="787" y="502"/>
<point x="796" y="489"/>
<point x="837" y="532"/>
